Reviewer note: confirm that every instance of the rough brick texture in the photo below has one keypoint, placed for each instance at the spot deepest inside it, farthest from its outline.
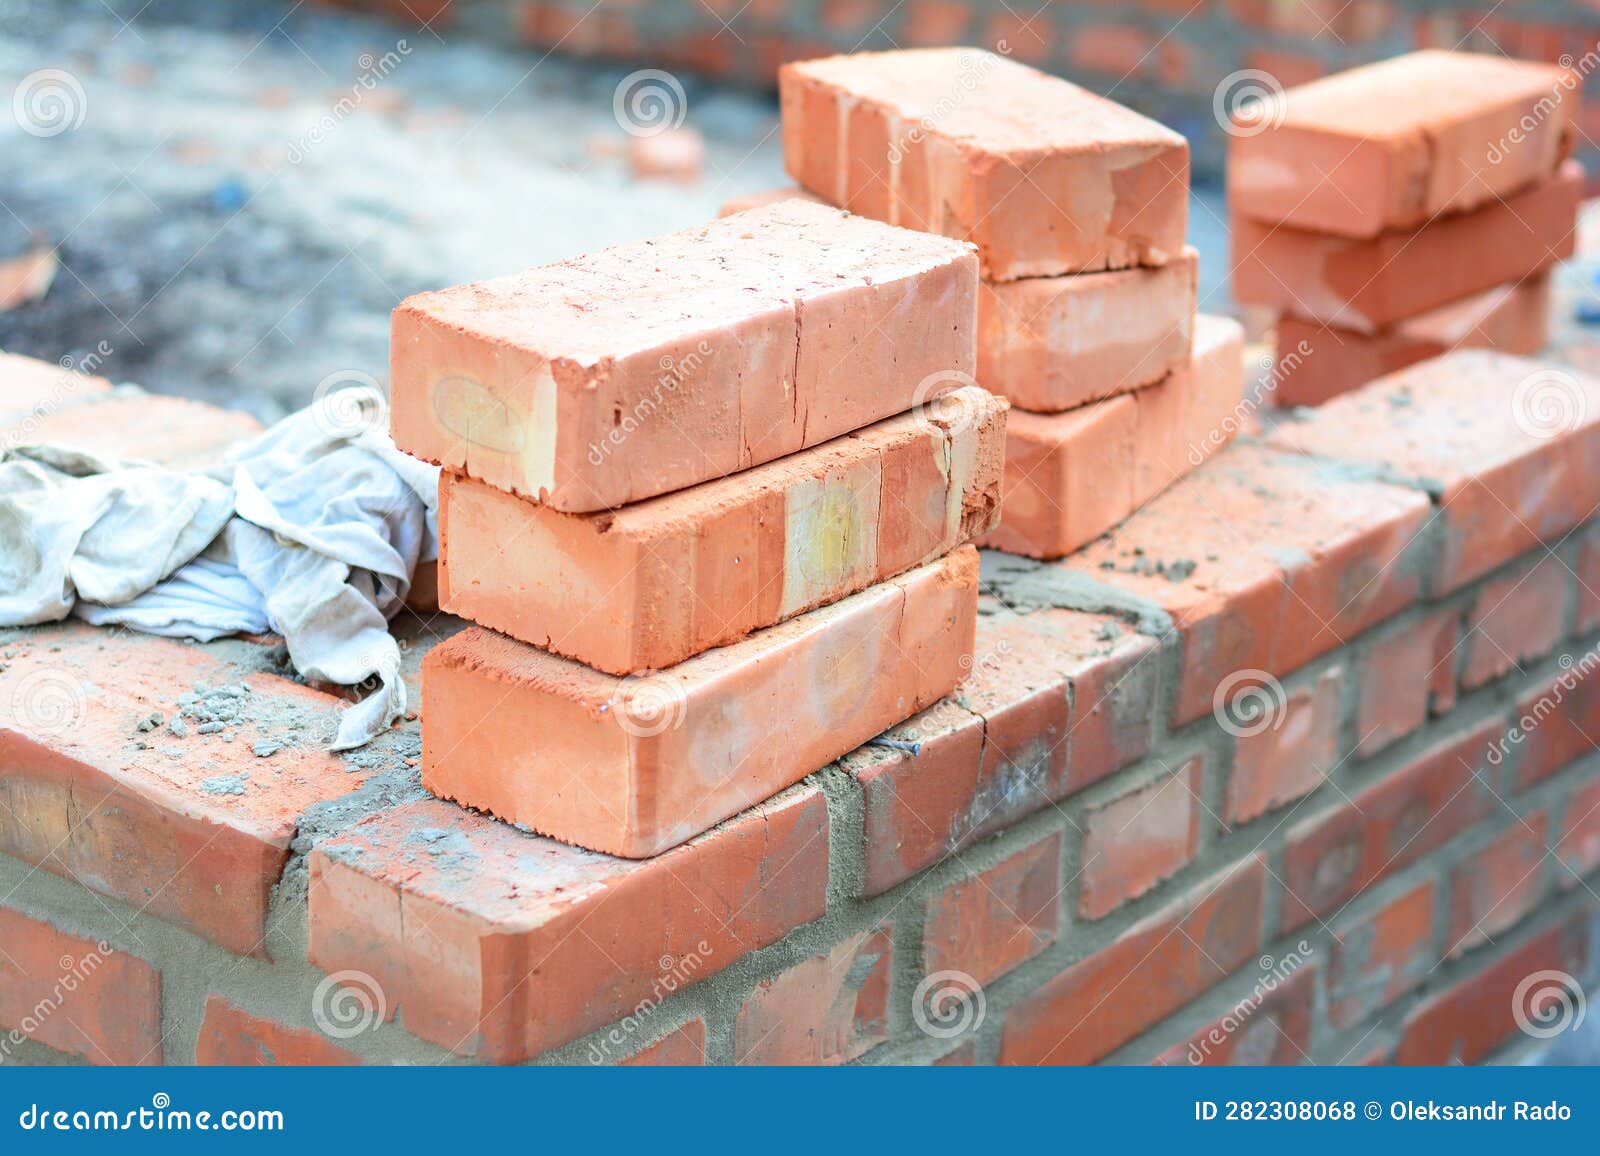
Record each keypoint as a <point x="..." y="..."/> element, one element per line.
<point x="1071" y="476"/>
<point x="596" y="381"/>
<point x="1323" y="361"/>
<point x="1397" y="143"/>
<point x="754" y="549"/>
<point x="1369" y="284"/>
<point x="637" y="765"/>
<point x="499" y="945"/>
<point x="232" y="1037"/>
<point x="129" y="764"/>
<point x="1516" y="462"/>
<point x="76" y="995"/>
<point x="974" y="146"/>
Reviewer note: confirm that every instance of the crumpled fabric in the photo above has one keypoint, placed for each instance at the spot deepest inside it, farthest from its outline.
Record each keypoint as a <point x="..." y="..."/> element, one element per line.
<point x="308" y="530"/>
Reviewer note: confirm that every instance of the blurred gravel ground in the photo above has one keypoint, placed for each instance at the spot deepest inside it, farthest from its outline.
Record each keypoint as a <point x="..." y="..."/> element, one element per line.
<point x="232" y="235"/>
<point x="229" y="233"/>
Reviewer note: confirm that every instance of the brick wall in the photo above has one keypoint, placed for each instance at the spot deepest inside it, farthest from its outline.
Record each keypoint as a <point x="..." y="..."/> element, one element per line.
<point x="1295" y="764"/>
<point x="1167" y="58"/>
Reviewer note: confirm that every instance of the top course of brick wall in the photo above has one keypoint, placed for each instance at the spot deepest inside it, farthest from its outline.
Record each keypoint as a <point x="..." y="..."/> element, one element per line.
<point x="1177" y="60"/>
<point x="1090" y="838"/>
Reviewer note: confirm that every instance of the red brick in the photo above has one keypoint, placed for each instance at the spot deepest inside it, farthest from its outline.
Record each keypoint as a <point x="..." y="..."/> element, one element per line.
<point x="1071" y="476"/>
<point x="1117" y="50"/>
<point x="762" y="199"/>
<point x="1271" y="1025"/>
<point x="988" y="924"/>
<point x="1556" y="724"/>
<point x="1499" y="886"/>
<point x="682" y="1047"/>
<point x="676" y="154"/>
<point x="1006" y="166"/>
<point x="231" y="1036"/>
<point x="936" y="23"/>
<point x="1136" y="840"/>
<point x="501" y="945"/>
<point x="75" y="995"/>
<point x="1511" y="318"/>
<point x="1331" y="858"/>
<point x="1406" y="676"/>
<point x="171" y="431"/>
<point x="1380" y="958"/>
<point x="1055" y="700"/>
<point x="1314" y="19"/>
<point x="1476" y="429"/>
<point x="34" y="388"/>
<point x="1367" y="285"/>
<point x="1022" y="37"/>
<point x="1467" y="1021"/>
<point x="850" y="17"/>
<point x="1589" y="584"/>
<point x="1287" y="68"/>
<point x="660" y="581"/>
<point x="1288" y="753"/>
<point x="1397" y="143"/>
<point x="1194" y="412"/>
<point x="828" y="1010"/>
<point x="1578" y="851"/>
<point x="1264" y="561"/>
<point x="1516" y="619"/>
<point x="1054" y="343"/>
<point x="592" y="383"/>
<point x="637" y="765"/>
<point x="1148" y="972"/>
<point x="192" y="828"/>
<point x="1068" y="477"/>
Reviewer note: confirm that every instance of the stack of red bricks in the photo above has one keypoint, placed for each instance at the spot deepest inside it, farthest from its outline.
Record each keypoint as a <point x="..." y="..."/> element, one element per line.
<point x="1399" y="210"/>
<point x="710" y="494"/>
<point x="1086" y="316"/>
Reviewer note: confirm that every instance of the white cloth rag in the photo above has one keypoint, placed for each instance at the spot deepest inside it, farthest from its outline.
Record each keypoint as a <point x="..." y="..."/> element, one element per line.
<point x="312" y="529"/>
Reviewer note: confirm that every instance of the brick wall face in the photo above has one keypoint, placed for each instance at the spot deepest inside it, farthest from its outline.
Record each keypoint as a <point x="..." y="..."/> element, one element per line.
<point x="1166" y="58"/>
<point x="1109" y="848"/>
